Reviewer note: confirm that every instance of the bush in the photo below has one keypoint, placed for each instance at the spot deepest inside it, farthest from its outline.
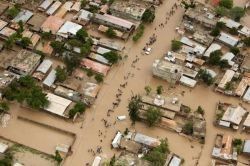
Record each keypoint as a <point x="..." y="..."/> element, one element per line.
<point x="110" y="33"/>
<point x="175" y="45"/>
<point x="58" y="157"/>
<point x="188" y="128"/>
<point x="57" y="46"/>
<point x="133" y="107"/>
<point x="222" y="11"/>
<point x="224" y="64"/>
<point x="139" y="33"/>
<point x="148" y="89"/>
<point x="246" y="41"/>
<point x="200" y="110"/>
<point x="220" y="25"/>
<point x="226" y="3"/>
<point x="25" y="42"/>
<point x="233" y="31"/>
<point x="159" y="89"/>
<point x="99" y="78"/>
<point x="215" y="32"/>
<point x="46" y="35"/>
<point x="235" y="50"/>
<point x="82" y="34"/>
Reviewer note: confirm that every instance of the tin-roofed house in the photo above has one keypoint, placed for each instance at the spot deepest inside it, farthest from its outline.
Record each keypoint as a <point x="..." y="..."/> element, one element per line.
<point x="24" y="63"/>
<point x="45" y="5"/>
<point x="90" y="92"/>
<point x="6" y="32"/>
<point x="69" y="29"/>
<point x="53" y="8"/>
<point x="43" y="69"/>
<point x="50" y="79"/>
<point x="83" y="17"/>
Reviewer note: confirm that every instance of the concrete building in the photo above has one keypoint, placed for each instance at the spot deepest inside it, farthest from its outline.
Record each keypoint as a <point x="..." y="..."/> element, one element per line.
<point x="83" y="17"/>
<point x="68" y="29"/>
<point x="167" y="71"/>
<point x="24" y="63"/>
<point x="128" y="9"/>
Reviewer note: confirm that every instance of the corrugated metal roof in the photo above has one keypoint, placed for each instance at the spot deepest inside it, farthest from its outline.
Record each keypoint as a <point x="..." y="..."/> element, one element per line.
<point x="95" y="66"/>
<point x="53" y="8"/>
<point x="2" y="24"/>
<point x="45" y="4"/>
<point x="23" y="16"/>
<point x="69" y="28"/>
<point x="211" y="48"/>
<point x="50" y="79"/>
<point x="228" y="39"/>
<point x="44" y="66"/>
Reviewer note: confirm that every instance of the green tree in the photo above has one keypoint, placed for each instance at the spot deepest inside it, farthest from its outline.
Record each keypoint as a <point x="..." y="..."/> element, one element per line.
<point x="153" y="116"/>
<point x="235" y="50"/>
<point x="220" y="25"/>
<point x="233" y="31"/>
<point x="246" y="41"/>
<point x="134" y="107"/>
<point x="215" y="57"/>
<point x="25" y="42"/>
<point x="27" y="81"/>
<point x="58" y="157"/>
<point x="9" y="43"/>
<point x="90" y="72"/>
<point x="82" y="34"/>
<point x="46" y="35"/>
<point x="4" y="107"/>
<point x="112" y="56"/>
<point x="236" y="13"/>
<point x="13" y="12"/>
<point x="229" y="86"/>
<point x="99" y="78"/>
<point x="188" y="128"/>
<point x="222" y="11"/>
<point x="200" y="110"/>
<point x="20" y="29"/>
<point x="71" y="62"/>
<point x="205" y="76"/>
<point x="110" y="33"/>
<point x="61" y="74"/>
<point x="78" y="108"/>
<point x="37" y="99"/>
<point x="148" y="89"/>
<point x="57" y="46"/>
<point x="226" y="3"/>
<point x="224" y="63"/>
<point x="215" y="32"/>
<point x="139" y="33"/>
<point x="83" y="3"/>
<point x="112" y="161"/>
<point x="6" y="160"/>
<point x="159" y="89"/>
<point x="148" y="16"/>
<point x="175" y="45"/>
<point x="157" y="155"/>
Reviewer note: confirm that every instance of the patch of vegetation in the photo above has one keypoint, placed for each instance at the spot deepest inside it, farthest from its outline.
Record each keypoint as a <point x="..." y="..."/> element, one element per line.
<point x="206" y="77"/>
<point x="148" y="16"/>
<point x="78" y="108"/>
<point x="226" y="4"/>
<point x="133" y="107"/>
<point x="13" y="11"/>
<point x="215" y="57"/>
<point x="157" y="155"/>
<point x="61" y="74"/>
<point x="110" y="33"/>
<point x="26" y="90"/>
<point x="58" y="47"/>
<point x="7" y="159"/>
<point x="238" y="143"/>
<point x="112" y="56"/>
<point x="147" y="89"/>
<point x="200" y="110"/>
<point x="188" y="128"/>
<point x="237" y="13"/>
<point x="46" y="35"/>
<point x="58" y="157"/>
<point x="139" y="33"/>
<point x="4" y="107"/>
<point x="235" y="50"/>
<point x="153" y="116"/>
<point x="90" y="72"/>
<point x="175" y="45"/>
<point x="246" y="41"/>
<point x="99" y="78"/>
<point x="229" y="86"/>
<point x="159" y="89"/>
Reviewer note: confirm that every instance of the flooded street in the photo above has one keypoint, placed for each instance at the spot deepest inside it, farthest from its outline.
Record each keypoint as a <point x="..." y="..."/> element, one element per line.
<point x="87" y="132"/>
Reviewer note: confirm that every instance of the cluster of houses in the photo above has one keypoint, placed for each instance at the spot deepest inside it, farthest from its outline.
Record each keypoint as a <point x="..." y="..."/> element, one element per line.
<point x="227" y="149"/>
<point x="182" y="66"/>
<point x="136" y="145"/>
<point x="231" y="116"/>
<point x="63" y="20"/>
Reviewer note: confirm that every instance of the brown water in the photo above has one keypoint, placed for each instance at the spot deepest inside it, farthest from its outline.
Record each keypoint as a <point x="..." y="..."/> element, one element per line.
<point x="87" y="135"/>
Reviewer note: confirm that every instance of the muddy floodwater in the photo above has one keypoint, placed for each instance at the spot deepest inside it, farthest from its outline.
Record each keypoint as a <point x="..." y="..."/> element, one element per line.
<point x="87" y="136"/>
